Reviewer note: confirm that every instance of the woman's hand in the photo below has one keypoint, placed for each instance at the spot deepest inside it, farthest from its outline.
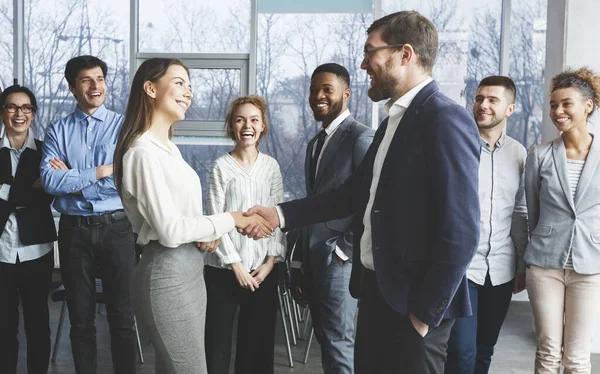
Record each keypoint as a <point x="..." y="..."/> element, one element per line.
<point x="252" y="223"/>
<point x="244" y="279"/>
<point x="209" y="247"/>
<point x="261" y="272"/>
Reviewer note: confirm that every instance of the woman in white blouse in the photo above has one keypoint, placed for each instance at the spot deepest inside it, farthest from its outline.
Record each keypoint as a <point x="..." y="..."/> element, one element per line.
<point x="162" y="197"/>
<point x="243" y="272"/>
<point x="562" y="187"/>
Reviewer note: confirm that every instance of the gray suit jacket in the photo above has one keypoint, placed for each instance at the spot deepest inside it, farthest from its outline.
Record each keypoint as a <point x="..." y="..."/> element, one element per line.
<point x="343" y="153"/>
<point x="557" y="221"/>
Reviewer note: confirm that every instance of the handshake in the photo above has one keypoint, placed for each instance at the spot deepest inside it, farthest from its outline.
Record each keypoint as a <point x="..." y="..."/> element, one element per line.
<point x="257" y="223"/>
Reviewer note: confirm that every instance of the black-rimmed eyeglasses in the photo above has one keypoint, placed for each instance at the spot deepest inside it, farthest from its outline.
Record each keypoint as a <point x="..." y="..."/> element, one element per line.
<point x="12" y="108"/>
<point x="366" y="51"/>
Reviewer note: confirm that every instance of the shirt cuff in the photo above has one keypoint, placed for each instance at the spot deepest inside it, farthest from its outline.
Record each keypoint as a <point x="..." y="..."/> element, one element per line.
<point x="5" y="191"/>
<point x="88" y="177"/>
<point x="223" y="223"/>
<point x="341" y="254"/>
<point x="296" y="264"/>
<point x="281" y="217"/>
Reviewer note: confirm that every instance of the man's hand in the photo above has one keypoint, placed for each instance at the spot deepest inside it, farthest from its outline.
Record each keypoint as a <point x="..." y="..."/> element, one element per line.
<point x="421" y="327"/>
<point x="36" y="184"/>
<point x="296" y="284"/>
<point x="104" y="171"/>
<point x="57" y="164"/>
<point x="519" y="283"/>
<point x="209" y="247"/>
<point x="269" y="215"/>
<point x="244" y="279"/>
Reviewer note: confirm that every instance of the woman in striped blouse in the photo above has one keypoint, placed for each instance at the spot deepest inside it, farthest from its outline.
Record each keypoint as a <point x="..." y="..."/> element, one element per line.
<point x="562" y="186"/>
<point x="243" y="272"/>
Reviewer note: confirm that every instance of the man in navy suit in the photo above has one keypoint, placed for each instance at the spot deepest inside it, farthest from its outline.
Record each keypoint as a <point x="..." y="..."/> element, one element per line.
<point x="415" y="196"/>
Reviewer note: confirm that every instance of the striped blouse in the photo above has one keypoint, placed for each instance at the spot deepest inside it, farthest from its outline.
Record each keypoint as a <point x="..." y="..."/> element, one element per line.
<point x="234" y="189"/>
<point x="575" y="168"/>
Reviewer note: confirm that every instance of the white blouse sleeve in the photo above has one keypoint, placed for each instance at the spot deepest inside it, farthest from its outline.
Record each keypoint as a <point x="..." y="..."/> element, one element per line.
<point x="143" y="178"/>
<point x="216" y="204"/>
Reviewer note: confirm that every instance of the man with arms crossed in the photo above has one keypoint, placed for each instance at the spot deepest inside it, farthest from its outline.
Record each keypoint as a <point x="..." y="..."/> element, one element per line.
<point x="322" y="259"/>
<point x="491" y="275"/>
<point x="95" y="238"/>
<point x="415" y="199"/>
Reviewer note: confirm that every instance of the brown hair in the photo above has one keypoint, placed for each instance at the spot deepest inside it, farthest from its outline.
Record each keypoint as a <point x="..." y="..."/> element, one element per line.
<point x="502" y="81"/>
<point x="583" y="79"/>
<point x="138" y="114"/>
<point x="255" y="100"/>
<point x="410" y="27"/>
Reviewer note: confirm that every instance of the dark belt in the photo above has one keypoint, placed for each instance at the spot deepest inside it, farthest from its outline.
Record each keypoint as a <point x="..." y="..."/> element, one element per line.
<point x="97" y="220"/>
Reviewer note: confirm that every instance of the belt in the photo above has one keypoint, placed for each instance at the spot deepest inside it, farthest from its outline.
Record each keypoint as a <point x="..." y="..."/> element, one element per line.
<point x="96" y="220"/>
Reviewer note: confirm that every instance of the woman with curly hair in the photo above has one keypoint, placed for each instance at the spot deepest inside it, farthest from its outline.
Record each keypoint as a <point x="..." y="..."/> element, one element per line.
<point x="562" y="185"/>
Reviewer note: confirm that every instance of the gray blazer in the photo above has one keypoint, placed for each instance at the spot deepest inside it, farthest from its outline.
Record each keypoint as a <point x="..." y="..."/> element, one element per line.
<point x="344" y="152"/>
<point x="557" y="222"/>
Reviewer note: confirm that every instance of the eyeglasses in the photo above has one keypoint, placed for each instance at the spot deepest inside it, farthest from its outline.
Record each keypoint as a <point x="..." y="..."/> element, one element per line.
<point x="25" y="108"/>
<point x="375" y="49"/>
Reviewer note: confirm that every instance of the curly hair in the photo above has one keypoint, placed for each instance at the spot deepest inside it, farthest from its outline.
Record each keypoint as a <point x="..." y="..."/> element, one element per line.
<point x="583" y="79"/>
<point x="255" y="100"/>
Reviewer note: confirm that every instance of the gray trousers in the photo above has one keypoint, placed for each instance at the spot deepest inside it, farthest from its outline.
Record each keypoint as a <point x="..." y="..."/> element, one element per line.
<point x="332" y="312"/>
<point x="169" y="299"/>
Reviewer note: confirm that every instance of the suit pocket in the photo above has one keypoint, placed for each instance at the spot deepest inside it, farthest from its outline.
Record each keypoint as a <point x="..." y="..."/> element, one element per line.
<point x="542" y="230"/>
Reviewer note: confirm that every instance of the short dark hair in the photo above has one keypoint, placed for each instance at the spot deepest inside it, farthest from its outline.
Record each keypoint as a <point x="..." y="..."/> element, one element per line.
<point x="500" y="80"/>
<point x="333" y="68"/>
<point x="79" y="63"/>
<point x="584" y="79"/>
<point x="17" y="89"/>
<point x="410" y="27"/>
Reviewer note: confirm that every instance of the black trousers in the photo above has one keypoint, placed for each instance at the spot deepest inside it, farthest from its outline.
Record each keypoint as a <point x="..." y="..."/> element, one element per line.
<point x="255" y="347"/>
<point x="29" y="283"/>
<point x="107" y="251"/>
<point x="387" y="342"/>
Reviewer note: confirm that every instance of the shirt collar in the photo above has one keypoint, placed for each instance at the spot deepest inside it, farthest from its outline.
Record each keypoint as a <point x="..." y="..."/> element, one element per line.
<point x="499" y="143"/>
<point x="151" y="138"/>
<point x="398" y="107"/>
<point x="336" y="122"/>
<point x="99" y="114"/>
<point x="29" y="142"/>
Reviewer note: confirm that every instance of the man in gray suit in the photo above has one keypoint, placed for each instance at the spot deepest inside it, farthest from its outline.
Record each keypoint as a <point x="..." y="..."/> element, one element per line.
<point x="322" y="259"/>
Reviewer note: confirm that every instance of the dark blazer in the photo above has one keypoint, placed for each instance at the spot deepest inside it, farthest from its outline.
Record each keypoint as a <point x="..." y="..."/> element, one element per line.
<point x="342" y="155"/>
<point x="425" y="217"/>
<point x="34" y="218"/>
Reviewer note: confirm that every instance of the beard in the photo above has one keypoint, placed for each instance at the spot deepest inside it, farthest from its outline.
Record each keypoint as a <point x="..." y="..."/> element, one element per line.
<point x="495" y="121"/>
<point x="383" y="84"/>
<point x="335" y="108"/>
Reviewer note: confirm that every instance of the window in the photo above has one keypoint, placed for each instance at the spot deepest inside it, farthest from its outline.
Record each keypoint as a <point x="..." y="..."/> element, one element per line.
<point x="94" y="27"/>
<point x="6" y="43"/>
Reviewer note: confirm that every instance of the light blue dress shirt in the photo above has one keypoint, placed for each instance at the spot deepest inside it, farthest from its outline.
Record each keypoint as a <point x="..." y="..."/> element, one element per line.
<point x="82" y="142"/>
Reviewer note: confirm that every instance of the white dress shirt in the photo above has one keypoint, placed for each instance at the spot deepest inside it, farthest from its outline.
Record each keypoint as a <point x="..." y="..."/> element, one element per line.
<point x="330" y="130"/>
<point x="503" y="224"/>
<point x="234" y="189"/>
<point x="395" y="111"/>
<point x="11" y="247"/>
<point x="162" y="196"/>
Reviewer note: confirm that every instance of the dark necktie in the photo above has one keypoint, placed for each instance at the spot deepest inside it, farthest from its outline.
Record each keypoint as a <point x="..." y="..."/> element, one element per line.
<point x="319" y="146"/>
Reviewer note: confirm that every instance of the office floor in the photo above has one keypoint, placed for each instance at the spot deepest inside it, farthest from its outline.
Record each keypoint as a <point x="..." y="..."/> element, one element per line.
<point x="514" y="352"/>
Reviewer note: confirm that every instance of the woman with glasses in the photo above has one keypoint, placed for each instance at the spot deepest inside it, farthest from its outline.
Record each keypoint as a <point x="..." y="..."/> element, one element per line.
<point x="26" y="237"/>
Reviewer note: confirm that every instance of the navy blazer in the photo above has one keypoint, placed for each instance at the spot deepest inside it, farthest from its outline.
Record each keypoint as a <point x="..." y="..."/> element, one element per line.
<point x="425" y="217"/>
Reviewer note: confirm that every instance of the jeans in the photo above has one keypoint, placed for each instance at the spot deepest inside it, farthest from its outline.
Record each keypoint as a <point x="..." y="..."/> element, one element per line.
<point x="472" y="340"/>
<point x="107" y="251"/>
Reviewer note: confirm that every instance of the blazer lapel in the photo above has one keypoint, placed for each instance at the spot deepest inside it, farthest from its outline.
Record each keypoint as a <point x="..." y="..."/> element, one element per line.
<point x="334" y="143"/>
<point x="5" y="166"/>
<point x="307" y="177"/>
<point x="562" y="170"/>
<point x="588" y="172"/>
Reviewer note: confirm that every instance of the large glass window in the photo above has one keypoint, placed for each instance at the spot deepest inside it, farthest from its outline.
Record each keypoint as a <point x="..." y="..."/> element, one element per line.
<point x="82" y="27"/>
<point x="290" y="47"/>
<point x="527" y="60"/>
<point x="199" y="26"/>
<point x="6" y="43"/>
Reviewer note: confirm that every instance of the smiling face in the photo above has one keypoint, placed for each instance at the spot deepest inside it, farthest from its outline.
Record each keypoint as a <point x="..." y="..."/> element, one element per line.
<point x="381" y="68"/>
<point x="491" y="107"/>
<point x="569" y="109"/>
<point x="89" y="89"/>
<point x="247" y="125"/>
<point x="172" y="93"/>
<point x="328" y="97"/>
<point x="18" y="122"/>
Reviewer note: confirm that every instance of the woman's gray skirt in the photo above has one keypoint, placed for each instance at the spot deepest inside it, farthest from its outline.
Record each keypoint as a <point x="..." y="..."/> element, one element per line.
<point x="169" y="299"/>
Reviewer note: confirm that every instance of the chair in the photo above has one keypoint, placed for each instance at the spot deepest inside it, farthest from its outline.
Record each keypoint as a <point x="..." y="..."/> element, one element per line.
<point x="60" y="295"/>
